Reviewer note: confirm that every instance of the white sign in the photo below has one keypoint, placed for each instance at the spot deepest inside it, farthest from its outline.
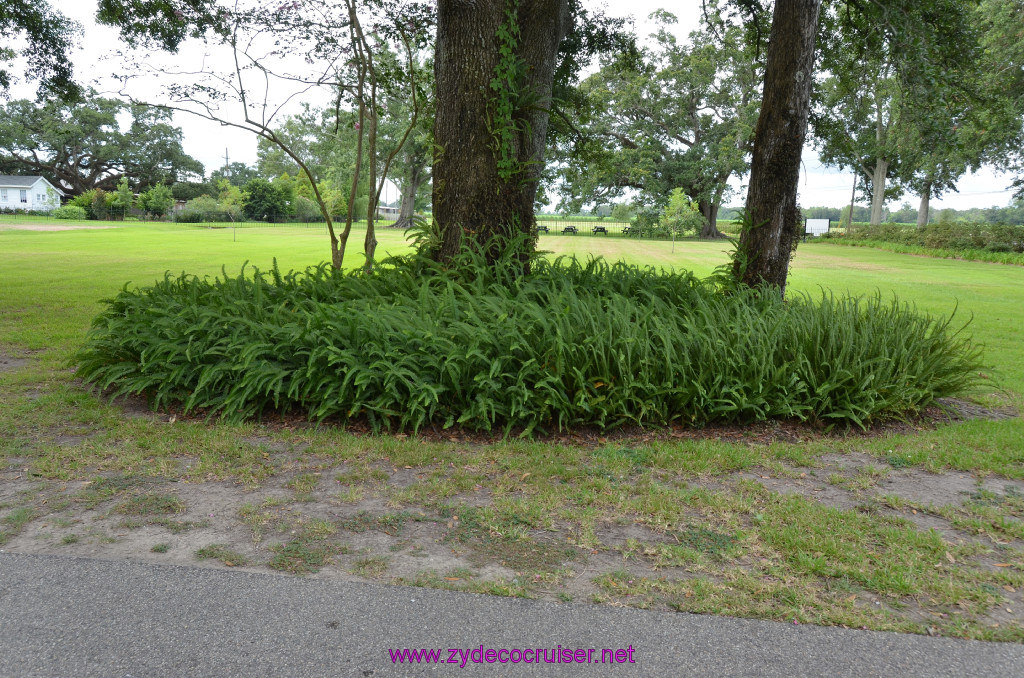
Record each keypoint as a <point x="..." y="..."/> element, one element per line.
<point x="816" y="226"/>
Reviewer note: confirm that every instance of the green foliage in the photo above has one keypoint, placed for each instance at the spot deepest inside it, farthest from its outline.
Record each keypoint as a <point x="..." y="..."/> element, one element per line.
<point x="953" y="235"/>
<point x="237" y="174"/>
<point x="100" y="208"/>
<point x="305" y="209"/>
<point x="188" y="190"/>
<point x="157" y="201"/>
<point x="571" y="344"/>
<point x="681" y="215"/>
<point x="262" y="200"/>
<point x="623" y="212"/>
<point x="73" y="212"/>
<point x="43" y="38"/>
<point x="123" y="198"/>
<point x="84" y="200"/>
<point x="683" y="116"/>
<point x="506" y="88"/>
<point x="206" y="209"/>
<point x="109" y="138"/>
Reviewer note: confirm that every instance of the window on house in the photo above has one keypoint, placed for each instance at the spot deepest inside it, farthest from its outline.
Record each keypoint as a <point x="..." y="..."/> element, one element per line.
<point x="24" y="195"/>
<point x="3" y="195"/>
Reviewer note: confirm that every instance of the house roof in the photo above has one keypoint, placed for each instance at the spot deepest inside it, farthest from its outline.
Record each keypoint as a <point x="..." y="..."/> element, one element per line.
<point x="9" y="181"/>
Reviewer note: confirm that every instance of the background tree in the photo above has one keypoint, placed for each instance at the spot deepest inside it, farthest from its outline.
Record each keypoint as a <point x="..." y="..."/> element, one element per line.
<point x="264" y="45"/>
<point x="859" y="125"/>
<point x="1003" y="72"/>
<point x="411" y="166"/>
<point x="680" y="116"/>
<point x="263" y="201"/>
<point x="82" y="145"/>
<point x="326" y="141"/>
<point x="239" y="174"/>
<point x="682" y="215"/>
<point x="157" y="201"/>
<point x="903" y="121"/>
<point x="123" y="198"/>
<point x="930" y="38"/>
<point x="43" y="38"/>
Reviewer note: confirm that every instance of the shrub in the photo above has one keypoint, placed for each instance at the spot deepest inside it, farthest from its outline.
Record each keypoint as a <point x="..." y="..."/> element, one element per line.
<point x="681" y="215"/>
<point x="206" y="209"/>
<point x="646" y="225"/>
<point x="305" y="209"/>
<point x="571" y="344"/>
<point x="70" y="212"/>
<point x="157" y="201"/>
<point x="948" y="235"/>
<point x="85" y="201"/>
<point x="101" y="204"/>
<point x="262" y="200"/>
<point x="25" y="213"/>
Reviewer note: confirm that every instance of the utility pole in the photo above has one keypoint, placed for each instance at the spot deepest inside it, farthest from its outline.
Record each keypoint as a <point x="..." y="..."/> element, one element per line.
<point x="227" y="164"/>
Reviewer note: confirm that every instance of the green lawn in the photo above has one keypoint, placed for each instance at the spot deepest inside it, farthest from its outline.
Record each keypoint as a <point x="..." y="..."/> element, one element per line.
<point x="916" y="529"/>
<point x="95" y="263"/>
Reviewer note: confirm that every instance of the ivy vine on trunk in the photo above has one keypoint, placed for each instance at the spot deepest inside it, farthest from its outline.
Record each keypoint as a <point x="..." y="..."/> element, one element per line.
<point x="489" y="149"/>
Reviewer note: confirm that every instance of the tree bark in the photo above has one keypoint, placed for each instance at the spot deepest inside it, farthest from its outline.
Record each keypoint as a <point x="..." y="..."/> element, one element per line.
<point x="922" y="211"/>
<point x="853" y="199"/>
<point x="475" y="197"/>
<point x="709" y="230"/>
<point x="370" y="241"/>
<point x="768" y="241"/>
<point x="409" y="189"/>
<point x="878" y="190"/>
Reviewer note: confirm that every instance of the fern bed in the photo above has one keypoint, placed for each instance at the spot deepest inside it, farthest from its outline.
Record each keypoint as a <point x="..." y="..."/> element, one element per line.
<point x="572" y="344"/>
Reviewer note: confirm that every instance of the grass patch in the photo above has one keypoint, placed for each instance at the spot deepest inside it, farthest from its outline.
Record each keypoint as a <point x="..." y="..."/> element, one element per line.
<point x="101" y="489"/>
<point x="303" y="484"/>
<point x="388" y="523"/>
<point x="435" y="580"/>
<point x="14" y="522"/>
<point x="372" y="567"/>
<point x="151" y="504"/>
<point x="502" y="537"/>
<point x="302" y="556"/>
<point x="223" y="554"/>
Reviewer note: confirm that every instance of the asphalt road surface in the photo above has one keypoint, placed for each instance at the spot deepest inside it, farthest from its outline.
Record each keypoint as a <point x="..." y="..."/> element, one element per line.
<point x="76" y="617"/>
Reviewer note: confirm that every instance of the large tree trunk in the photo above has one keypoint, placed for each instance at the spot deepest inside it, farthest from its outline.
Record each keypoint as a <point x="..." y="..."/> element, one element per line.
<point x="853" y="199"/>
<point x="489" y="140"/>
<point x="767" y="243"/>
<point x="710" y="228"/>
<point x="878" y="190"/>
<point x="411" y="186"/>
<point x="922" y="211"/>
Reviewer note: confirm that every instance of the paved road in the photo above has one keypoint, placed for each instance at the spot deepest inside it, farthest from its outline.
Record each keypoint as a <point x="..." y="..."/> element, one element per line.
<point x="76" y="617"/>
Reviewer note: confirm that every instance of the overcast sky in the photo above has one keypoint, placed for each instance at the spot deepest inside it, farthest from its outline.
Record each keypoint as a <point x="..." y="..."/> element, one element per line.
<point x="208" y="141"/>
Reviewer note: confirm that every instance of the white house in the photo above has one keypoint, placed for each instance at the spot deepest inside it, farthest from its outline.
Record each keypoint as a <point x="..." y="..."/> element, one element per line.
<point x="28" y="193"/>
